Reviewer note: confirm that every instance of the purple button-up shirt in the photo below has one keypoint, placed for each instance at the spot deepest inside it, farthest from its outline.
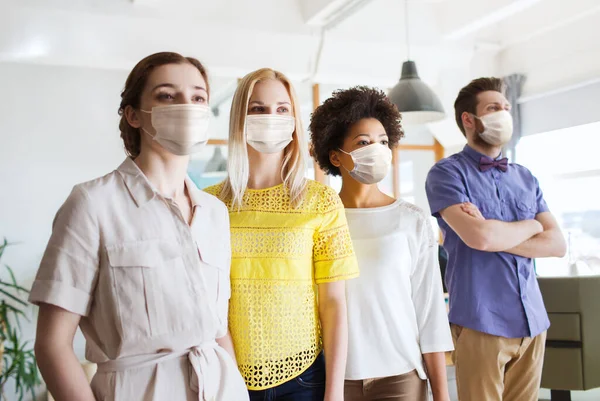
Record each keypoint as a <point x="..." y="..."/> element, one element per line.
<point x="491" y="292"/>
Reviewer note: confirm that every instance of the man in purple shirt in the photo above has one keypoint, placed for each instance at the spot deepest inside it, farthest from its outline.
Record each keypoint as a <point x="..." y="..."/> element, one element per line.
<point x="495" y="221"/>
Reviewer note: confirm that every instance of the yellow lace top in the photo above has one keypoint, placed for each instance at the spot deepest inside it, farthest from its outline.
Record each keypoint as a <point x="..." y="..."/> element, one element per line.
<point x="278" y="255"/>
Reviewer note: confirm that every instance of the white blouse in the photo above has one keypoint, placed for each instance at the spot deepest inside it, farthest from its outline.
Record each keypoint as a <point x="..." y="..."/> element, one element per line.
<point x="396" y="308"/>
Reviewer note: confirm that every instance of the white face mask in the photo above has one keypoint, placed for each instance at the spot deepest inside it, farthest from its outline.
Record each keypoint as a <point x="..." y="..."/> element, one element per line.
<point x="269" y="133"/>
<point x="371" y="163"/>
<point x="182" y="129"/>
<point x="497" y="127"/>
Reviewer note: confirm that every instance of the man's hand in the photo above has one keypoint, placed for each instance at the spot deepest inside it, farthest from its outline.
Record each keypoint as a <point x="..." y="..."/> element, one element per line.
<point x="548" y="243"/>
<point x="471" y="210"/>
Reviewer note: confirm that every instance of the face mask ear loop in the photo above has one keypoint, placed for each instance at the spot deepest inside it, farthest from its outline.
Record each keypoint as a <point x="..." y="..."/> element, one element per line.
<point x="142" y="128"/>
<point x="482" y="124"/>
<point x="153" y="137"/>
<point x="341" y="164"/>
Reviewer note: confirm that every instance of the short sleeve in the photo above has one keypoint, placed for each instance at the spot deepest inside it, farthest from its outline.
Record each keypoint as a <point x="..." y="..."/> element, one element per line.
<point x="444" y="188"/>
<point x="541" y="204"/>
<point x="333" y="253"/>
<point x="68" y="271"/>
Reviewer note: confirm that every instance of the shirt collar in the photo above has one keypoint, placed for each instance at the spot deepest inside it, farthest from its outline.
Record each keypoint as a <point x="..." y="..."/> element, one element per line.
<point x="476" y="156"/>
<point x="142" y="191"/>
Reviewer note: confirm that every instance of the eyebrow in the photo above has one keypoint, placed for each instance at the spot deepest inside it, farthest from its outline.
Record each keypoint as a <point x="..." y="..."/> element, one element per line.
<point x="165" y="85"/>
<point x="367" y="135"/>
<point x="497" y="104"/>
<point x="262" y="104"/>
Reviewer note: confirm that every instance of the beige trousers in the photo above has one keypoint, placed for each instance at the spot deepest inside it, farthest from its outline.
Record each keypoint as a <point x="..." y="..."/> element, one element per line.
<point x="406" y="387"/>
<point x="491" y="368"/>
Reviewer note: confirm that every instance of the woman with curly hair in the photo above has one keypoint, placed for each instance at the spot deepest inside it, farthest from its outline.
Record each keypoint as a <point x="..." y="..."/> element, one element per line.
<point x="397" y="323"/>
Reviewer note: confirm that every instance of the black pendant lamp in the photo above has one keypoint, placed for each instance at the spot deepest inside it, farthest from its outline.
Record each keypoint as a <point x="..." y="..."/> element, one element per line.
<point x="217" y="162"/>
<point x="415" y="100"/>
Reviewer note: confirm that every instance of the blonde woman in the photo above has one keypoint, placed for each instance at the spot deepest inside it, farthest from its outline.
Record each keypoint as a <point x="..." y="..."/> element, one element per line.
<point x="288" y="234"/>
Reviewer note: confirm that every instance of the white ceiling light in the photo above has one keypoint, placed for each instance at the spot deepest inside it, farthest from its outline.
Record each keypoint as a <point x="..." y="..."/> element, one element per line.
<point x="494" y="17"/>
<point x="328" y="13"/>
<point x="150" y="3"/>
<point x="31" y="49"/>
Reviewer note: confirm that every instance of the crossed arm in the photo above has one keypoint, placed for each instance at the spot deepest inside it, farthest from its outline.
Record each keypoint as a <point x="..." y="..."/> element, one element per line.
<point x="536" y="238"/>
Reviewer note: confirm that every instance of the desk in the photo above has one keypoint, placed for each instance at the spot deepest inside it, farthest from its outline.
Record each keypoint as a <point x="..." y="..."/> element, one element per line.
<point x="572" y="359"/>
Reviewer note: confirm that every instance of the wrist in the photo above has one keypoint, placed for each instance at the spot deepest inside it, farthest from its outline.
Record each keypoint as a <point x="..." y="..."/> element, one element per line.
<point x="539" y="228"/>
<point x="334" y="393"/>
<point x="534" y="226"/>
<point x="439" y="391"/>
<point x="336" y="397"/>
<point x="441" y="396"/>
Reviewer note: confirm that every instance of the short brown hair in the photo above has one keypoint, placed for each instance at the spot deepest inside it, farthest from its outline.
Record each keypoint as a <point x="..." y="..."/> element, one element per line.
<point x="467" y="97"/>
<point x="134" y="86"/>
<point x="331" y="121"/>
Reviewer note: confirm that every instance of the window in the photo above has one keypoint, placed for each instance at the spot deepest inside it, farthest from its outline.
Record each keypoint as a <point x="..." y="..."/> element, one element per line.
<point x="567" y="166"/>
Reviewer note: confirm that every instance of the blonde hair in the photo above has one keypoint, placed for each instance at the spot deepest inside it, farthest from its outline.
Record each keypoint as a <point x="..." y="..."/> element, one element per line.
<point x="238" y="167"/>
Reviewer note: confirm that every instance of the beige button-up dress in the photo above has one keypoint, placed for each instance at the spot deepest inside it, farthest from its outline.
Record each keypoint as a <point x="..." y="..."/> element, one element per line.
<point x="152" y="290"/>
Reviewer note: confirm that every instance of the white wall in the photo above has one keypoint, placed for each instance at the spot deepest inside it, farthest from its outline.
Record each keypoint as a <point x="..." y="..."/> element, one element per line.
<point x="563" y="109"/>
<point x="58" y="127"/>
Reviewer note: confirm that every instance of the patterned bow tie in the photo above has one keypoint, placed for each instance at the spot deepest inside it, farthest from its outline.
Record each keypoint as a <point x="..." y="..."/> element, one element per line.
<point x="485" y="163"/>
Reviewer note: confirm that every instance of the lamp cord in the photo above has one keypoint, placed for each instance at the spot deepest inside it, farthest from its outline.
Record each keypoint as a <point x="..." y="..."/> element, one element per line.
<point x="407" y="35"/>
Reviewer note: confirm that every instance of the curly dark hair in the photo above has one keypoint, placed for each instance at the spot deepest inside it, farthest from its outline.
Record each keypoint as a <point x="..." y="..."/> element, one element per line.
<point x="331" y="121"/>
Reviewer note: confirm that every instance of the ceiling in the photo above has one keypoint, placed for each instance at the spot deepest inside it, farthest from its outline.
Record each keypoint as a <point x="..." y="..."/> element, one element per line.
<point x="333" y="42"/>
<point x="365" y="43"/>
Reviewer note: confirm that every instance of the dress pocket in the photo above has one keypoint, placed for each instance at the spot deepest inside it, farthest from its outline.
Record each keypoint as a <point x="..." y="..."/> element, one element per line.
<point x="150" y="283"/>
<point x="215" y="270"/>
